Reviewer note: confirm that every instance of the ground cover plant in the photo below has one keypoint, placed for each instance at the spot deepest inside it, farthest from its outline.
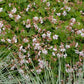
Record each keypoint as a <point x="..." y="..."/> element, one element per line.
<point x="41" y="42"/>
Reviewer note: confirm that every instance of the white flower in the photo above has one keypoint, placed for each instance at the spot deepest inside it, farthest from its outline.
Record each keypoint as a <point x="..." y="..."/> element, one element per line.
<point x="9" y="40"/>
<point x="34" y="40"/>
<point x="27" y="9"/>
<point x="21" y="47"/>
<point x="64" y="13"/>
<point x="21" y="71"/>
<point x="12" y="68"/>
<point x="0" y="30"/>
<point x="18" y="17"/>
<point x="65" y="55"/>
<point x="38" y="71"/>
<point x="58" y="14"/>
<point x="41" y="63"/>
<point x="73" y="20"/>
<point x="2" y="40"/>
<point x="69" y="70"/>
<point x="28" y="54"/>
<point x="35" y="18"/>
<point x="44" y="0"/>
<point x="22" y="61"/>
<point x="28" y="45"/>
<point x="44" y="51"/>
<point x="23" y="22"/>
<point x="10" y="15"/>
<point x="63" y="50"/>
<point x="1" y="9"/>
<point x="1" y="24"/>
<point x="53" y="53"/>
<point x="69" y="9"/>
<point x="58" y="55"/>
<point x="48" y="4"/>
<point x="28" y="26"/>
<point x="67" y="46"/>
<point x="39" y="53"/>
<point x="54" y="20"/>
<point x="24" y="50"/>
<point x="25" y="40"/>
<point x="76" y="51"/>
<point x="44" y="35"/>
<point x="29" y="6"/>
<point x="82" y="34"/>
<point x="15" y="39"/>
<point x="14" y="10"/>
<point x="37" y="46"/>
<point x="55" y="49"/>
<point x="76" y="44"/>
<point x="71" y="24"/>
<point x="79" y="32"/>
<point x="48" y="33"/>
<point x="55" y="37"/>
<point x="61" y="8"/>
<point x="41" y="20"/>
<point x="81" y="53"/>
<point x="9" y="4"/>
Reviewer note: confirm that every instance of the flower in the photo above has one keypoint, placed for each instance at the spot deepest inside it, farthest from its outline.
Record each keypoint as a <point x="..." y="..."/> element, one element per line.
<point x="18" y="17"/>
<point x="58" y="55"/>
<point x="21" y="71"/>
<point x="1" y="9"/>
<point x="27" y="9"/>
<point x="1" y="24"/>
<point x="82" y="34"/>
<point x="58" y="14"/>
<point x="48" y="4"/>
<point x="73" y="20"/>
<point x="9" y="40"/>
<point x="35" y="18"/>
<point x="10" y="15"/>
<point x="14" y="10"/>
<point x="76" y="44"/>
<point x="28" y="26"/>
<point x="15" y="39"/>
<point x="65" y="55"/>
<point x="34" y="40"/>
<point x="21" y="47"/>
<point x="38" y="71"/>
<point x="55" y="49"/>
<point x="2" y="40"/>
<point x="55" y="37"/>
<point x="44" y="35"/>
<point x="41" y="20"/>
<point x="25" y="40"/>
<point x="41" y="63"/>
<point x="44" y="0"/>
<point x="67" y="46"/>
<point x="53" y="53"/>
<point x="64" y="13"/>
<point x="44" y="51"/>
<point x="76" y="51"/>
<point x="81" y="53"/>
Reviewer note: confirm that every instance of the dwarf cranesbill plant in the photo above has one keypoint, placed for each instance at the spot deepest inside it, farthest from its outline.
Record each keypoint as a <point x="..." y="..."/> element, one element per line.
<point x="42" y="32"/>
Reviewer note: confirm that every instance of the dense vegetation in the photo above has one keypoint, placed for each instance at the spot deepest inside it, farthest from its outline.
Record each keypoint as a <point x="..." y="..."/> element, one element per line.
<point x="41" y="37"/>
